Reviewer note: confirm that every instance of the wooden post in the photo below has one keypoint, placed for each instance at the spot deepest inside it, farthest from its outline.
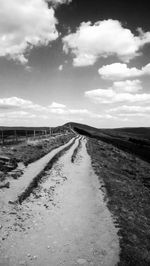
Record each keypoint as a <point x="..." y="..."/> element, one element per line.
<point x="34" y="133"/>
<point x="2" y="137"/>
<point x="42" y="133"/>
<point x="15" y="135"/>
<point x="26" y="135"/>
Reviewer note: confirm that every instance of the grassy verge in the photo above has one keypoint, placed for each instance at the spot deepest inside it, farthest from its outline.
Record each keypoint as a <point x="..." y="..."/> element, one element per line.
<point x="124" y="176"/>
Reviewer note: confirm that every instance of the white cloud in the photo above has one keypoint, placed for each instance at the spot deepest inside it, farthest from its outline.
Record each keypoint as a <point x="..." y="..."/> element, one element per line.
<point x="79" y="111"/>
<point x="118" y="71"/>
<point x="107" y="96"/>
<point x="102" y="39"/>
<point x="135" y="115"/>
<point x="74" y="112"/>
<point x="59" y="2"/>
<point x="130" y="109"/>
<point x="83" y="112"/>
<point x="59" y="111"/>
<point x="60" y="68"/>
<point x="57" y="105"/>
<point x="121" y="91"/>
<point x="127" y="86"/>
<point x="12" y="103"/>
<point x="15" y="103"/>
<point x="14" y="114"/>
<point x="23" y="25"/>
<point x="17" y="115"/>
<point x="62" y="109"/>
<point x="11" y="107"/>
<point x="17" y="111"/>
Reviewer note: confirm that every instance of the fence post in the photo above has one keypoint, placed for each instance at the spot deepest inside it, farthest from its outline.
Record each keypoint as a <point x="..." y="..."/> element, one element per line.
<point x="2" y="137"/>
<point x="15" y="135"/>
<point x="26" y="134"/>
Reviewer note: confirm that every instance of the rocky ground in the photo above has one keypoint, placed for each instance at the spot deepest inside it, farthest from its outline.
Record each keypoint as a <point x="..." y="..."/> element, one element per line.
<point x="126" y="180"/>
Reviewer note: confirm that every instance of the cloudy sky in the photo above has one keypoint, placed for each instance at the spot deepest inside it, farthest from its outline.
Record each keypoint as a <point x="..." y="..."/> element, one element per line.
<point x="74" y="60"/>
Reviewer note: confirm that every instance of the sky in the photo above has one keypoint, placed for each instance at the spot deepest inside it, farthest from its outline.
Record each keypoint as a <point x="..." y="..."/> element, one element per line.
<point x="74" y="61"/>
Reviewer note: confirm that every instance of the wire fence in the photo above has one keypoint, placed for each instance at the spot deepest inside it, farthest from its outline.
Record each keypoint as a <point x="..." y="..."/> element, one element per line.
<point x="8" y="137"/>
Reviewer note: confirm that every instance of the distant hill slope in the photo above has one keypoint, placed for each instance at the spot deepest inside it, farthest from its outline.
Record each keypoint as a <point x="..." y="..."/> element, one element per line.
<point x="131" y="140"/>
<point x="139" y="131"/>
<point x="143" y="132"/>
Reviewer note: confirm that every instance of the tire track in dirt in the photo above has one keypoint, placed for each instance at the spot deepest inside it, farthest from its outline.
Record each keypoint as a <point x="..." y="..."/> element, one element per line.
<point x="21" y="188"/>
<point x="68" y="221"/>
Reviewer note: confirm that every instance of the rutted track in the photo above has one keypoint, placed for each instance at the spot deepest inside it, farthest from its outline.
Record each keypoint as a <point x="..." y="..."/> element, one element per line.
<point x="65" y="221"/>
<point x="76" y="150"/>
<point x="22" y="187"/>
<point x="36" y="179"/>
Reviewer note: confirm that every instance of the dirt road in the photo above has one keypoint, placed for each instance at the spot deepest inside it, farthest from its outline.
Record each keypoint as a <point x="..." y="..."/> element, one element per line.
<point x="65" y="220"/>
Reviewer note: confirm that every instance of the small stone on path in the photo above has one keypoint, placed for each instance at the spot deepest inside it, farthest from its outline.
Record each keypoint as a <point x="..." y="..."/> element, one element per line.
<point x="81" y="261"/>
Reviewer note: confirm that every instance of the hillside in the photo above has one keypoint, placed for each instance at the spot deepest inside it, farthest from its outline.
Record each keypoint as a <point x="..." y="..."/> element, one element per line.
<point x="132" y="140"/>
